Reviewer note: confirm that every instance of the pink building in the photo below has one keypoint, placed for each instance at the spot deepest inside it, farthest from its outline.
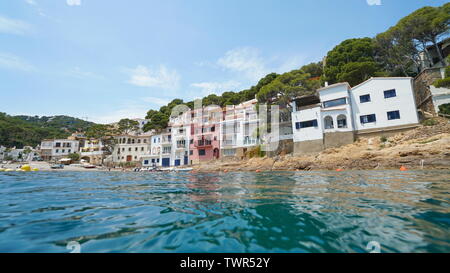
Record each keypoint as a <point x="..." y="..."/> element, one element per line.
<point x="204" y="142"/>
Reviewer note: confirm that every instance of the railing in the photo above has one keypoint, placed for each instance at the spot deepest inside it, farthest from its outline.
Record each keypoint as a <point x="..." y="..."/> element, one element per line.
<point x="203" y="143"/>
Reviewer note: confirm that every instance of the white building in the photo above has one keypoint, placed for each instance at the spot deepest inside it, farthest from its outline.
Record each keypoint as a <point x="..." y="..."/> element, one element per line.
<point x="238" y="130"/>
<point x="93" y="151"/>
<point x="339" y="113"/>
<point x="55" y="149"/>
<point x="153" y="158"/>
<point x="130" y="148"/>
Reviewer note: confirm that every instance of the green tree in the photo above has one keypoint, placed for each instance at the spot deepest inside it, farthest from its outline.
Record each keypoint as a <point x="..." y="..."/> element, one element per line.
<point x="74" y="156"/>
<point x="126" y="126"/>
<point x="159" y="121"/>
<point x="342" y="60"/>
<point x="427" y="25"/>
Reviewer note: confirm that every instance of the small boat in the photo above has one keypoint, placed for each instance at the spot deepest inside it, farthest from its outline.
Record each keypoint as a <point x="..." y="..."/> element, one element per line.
<point x="57" y="166"/>
<point x="89" y="166"/>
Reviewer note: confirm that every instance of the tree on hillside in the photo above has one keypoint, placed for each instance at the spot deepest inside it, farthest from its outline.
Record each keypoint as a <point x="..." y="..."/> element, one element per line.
<point x="427" y="25"/>
<point x="286" y="87"/>
<point x="158" y="122"/>
<point x="126" y="126"/>
<point x="342" y="61"/>
<point x="395" y="52"/>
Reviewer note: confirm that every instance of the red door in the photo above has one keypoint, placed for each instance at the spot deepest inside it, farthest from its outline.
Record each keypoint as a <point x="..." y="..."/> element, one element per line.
<point x="129" y="158"/>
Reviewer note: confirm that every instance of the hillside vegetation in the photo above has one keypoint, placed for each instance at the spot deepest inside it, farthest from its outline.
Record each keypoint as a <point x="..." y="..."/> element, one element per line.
<point x="22" y="131"/>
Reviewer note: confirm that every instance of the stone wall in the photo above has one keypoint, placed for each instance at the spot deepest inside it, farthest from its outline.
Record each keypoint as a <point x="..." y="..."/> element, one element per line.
<point x="308" y="146"/>
<point x="337" y="139"/>
<point x="285" y="146"/>
<point x="422" y="91"/>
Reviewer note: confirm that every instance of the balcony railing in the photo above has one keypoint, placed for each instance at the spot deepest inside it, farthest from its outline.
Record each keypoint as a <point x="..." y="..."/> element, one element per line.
<point x="203" y="143"/>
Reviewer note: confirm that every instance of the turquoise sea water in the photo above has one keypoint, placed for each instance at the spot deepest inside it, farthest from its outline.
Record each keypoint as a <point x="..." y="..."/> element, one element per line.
<point x="232" y="212"/>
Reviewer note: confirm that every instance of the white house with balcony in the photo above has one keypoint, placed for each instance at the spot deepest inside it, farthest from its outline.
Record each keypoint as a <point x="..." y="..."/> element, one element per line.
<point x="129" y="148"/>
<point x="337" y="114"/>
<point x="93" y="151"/>
<point x="55" y="149"/>
<point x="238" y="130"/>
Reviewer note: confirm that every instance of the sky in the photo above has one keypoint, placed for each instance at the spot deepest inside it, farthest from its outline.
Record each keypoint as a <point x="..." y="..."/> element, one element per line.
<point x="103" y="60"/>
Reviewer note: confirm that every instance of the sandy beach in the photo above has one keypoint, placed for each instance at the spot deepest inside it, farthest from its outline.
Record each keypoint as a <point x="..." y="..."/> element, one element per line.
<point x="45" y="166"/>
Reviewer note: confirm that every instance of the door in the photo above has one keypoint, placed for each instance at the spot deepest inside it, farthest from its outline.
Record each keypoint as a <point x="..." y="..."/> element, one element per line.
<point x="186" y="160"/>
<point x="129" y="158"/>
<point x="165" y="162"/>
<point x="177" y="162"/>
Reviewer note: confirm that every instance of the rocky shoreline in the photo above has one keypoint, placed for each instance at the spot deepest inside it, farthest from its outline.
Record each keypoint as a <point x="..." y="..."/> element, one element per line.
<point x="425" y="147"/>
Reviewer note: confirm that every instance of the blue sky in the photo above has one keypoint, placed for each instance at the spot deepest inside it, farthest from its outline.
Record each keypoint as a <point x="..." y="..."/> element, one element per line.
<point x="109" y="59"/>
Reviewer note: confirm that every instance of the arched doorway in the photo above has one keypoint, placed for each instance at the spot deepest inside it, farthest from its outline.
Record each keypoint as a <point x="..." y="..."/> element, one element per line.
<point x="216" y="153"/>
<point x="86" y="158"/>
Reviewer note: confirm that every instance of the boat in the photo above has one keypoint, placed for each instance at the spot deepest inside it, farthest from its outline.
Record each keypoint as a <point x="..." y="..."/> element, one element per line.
<point x="57" y="166"/>
<point x="89" y="166"/>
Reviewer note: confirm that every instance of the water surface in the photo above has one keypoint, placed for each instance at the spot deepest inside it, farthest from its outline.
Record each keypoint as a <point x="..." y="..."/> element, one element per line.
<point x="232" y="212"/>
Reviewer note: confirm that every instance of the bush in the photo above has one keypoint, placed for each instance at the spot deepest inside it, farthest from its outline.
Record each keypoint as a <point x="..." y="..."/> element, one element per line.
<point x="383" y="139"/>
<point x="444" y="109"/>
<point x="74" y="156"/>
<point x="256" y="152"/>
<point x="429" y="122"/>
<point x="442" y="83"/>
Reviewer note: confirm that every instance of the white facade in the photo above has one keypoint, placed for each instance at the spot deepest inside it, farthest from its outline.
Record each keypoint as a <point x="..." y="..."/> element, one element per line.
<point x="313" y="129"/>
<point x="153" y="158"/>
<point x="238" y="128"/>
<point x="387" y="96"/>
<point x="58" y="148"/>
<point x="130" y="148"/>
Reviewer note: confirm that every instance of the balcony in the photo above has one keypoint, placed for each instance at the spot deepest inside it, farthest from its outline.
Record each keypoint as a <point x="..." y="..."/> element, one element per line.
<point x="203" y="143"/>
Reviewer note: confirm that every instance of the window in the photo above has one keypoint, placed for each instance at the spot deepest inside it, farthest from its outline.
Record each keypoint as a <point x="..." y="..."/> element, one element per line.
<point x="213" y="128"/>
<point x="69" y="151"/>
<point x="229" y="152"/>
<point x="328" y="120"/>
<point x="367" y="118"/>
<point x="364" y="98"/>
<point x="306" y="124"/>
<point x="389" y="94"/>
<point x="201" y="152"/>
<point x="63" y="151"/>
<point x="142" y="149"/>
<point x="57" y="151"/>
<point x="139" y="141"/>
<point x="332" y="103"/>
<point x="136" y="149"/>
<point x="342" y="121"/>
<point x="191" y="141"/>
<point x="191" y="152"/>
<point x="129" y="149"/>
<point x="145" y="162"/>
<point x="393" y="115"/>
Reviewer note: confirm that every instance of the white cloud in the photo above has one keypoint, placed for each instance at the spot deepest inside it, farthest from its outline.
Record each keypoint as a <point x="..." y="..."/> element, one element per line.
<point x="246" y="60"/>
<point x="73" y="2"/>
<point x="216" y="87"/>
<point x="13" y="62"/>
<point x="12" y="26"/>
<point x="374" y="2"/>
<point x="161" y="77"/>
<point x="31" y="2"/>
